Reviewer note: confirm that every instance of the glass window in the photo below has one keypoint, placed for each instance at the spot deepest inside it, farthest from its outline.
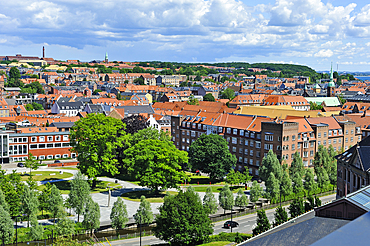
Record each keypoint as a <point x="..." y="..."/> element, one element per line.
<point x="42" y="139"/>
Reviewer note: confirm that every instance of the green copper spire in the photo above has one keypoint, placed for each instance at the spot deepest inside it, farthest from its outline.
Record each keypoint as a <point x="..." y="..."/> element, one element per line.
<point x="331" y="83"/>
<point x="106" y="55"/>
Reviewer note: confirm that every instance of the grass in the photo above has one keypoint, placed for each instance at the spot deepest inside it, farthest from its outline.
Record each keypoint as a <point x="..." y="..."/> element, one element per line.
<point x="65" y="186"/>
<point x="68" y="168"/>
<point x="217" y="189"/>
<point x="45" y="176"/>
<point x="149" y="195"/>
<point x="221" y="243"/>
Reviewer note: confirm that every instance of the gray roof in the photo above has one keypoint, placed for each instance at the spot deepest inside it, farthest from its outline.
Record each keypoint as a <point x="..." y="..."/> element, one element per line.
<point x="301" y="231"/>
<point x="142" y="109"/>
<point x="353" y="233"/>
<point x="70" y="105"/>
<point x="62" y="124"/>
<point x="361" y="149"/>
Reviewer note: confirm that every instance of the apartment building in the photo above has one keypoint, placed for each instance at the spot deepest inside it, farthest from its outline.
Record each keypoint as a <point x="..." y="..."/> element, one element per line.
<point x="251" y="137"/>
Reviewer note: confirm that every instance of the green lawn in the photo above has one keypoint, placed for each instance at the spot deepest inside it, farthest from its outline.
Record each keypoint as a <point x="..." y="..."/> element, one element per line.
<point x="220" y="243"/>
<point x="216" y="189"/>
<point x="149" y="195"/>
<point x="68" y="168"/>
<point x="45" y="176"/>
<point x="65" y="187"/>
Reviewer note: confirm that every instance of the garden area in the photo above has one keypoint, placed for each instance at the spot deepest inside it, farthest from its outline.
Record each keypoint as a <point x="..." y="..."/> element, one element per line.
<point x="65" y="186"/>
<point x="45" y="175"/>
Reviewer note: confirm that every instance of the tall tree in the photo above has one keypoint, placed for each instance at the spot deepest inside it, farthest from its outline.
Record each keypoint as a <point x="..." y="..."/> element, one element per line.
<point x="255" y="192"/>
<point x="65" y="226"/>
<point x="309" y="181"/>
<point x="296" y="165"/>
<point x="263" y="223"/>
<point x="31" y="163"/>
<point x="135" y="123"/>
<point x="321" y="159"/>
<point x="270" y="164"/>
<point x="296" y="207"/>
<point x="182" y="220"/>
<point x="13" y="188"/>
<point x="226" y="198"/>
<point x="6" y="226"/>
<point x="149" y="133"/>
<point x="3" y="203"/>
<point x="233" y="177"/>
<point x="119" y="215"/>
<point x="192" y="100"/>
<point x="228" y="94"/>
<point x="79" y="194"/>
<point x="272" y="187"/>
<point x="36" y="231"/>
<point x="91" y="215"/>
<point x="29" y="203"/>
<point x="96" y="139"/>
<point x="209" y="202"/>
<point x="322" y="178"/>
<point x="44" y="197"/>
<point x="144" y="214"/>
<point x="157" y="164"/>
<point x="55" y="202"/>
<point x="286" y="185"/>
<point x="297" y="183"/>
<point x="281" y="216"/>
<point x="241" y="200"/>
<point x="210" y="154"/>
<point x="208" y="97"/>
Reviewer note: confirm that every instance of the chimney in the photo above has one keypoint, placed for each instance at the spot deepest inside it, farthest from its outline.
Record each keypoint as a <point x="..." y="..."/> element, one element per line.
<point x="43" y="51"/>
<point x="364" y="115"/>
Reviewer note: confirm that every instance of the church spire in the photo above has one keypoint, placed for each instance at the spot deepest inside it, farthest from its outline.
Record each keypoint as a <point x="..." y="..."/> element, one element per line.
<point x="331" y="74"/>
<point x="106" y="57"/>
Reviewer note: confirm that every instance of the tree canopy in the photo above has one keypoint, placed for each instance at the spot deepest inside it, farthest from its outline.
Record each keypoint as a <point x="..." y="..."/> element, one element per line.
<point x="270" y="164"/>
<point x="209" y="97"/>
<point x="210" y="154"/>
<point x="96" y="139"/>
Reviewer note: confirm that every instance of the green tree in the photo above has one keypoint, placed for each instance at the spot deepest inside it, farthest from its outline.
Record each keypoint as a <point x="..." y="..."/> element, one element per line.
<point x="209" y="97"/>
<point x="182" y="220"/>
<point x="297" y="165"/>
<point x="322" y="178"/>
<point x="14" y="73"/>
<point x="241" y="200"/>
<point x="296" y="208"/>
<point x="157" y="164"/>
<point x="36" y="231"/>
<point x="79" y="194"/>
<point x="310" y="204"/>
<point x="149" y="133"/>
<point x="44" y="197"/>
<point x="65" y="226"/>
<point x="118" y="215"/>
<point x="55" y="202"/>
<point x="91" y="215"/>
<point x="263" y="223"/>
<point x="226" y="198"/>
<point x="95" y="138"/>
<point x="272" y="187"/>
<point x="209" y="202"/>
<point x="13" y="188"/>
<point x="228" y="94"/>
<point x="210" y="154"/>
<point x="270" y="164"/>
<point x="37" y="106"/>
<point x="321" y="159"/>
<point x="139" y="81"/>
<point x="29" y="107"/>
<point x="192" y="100"/>
<point x="233" y="177"/>
<point x="6" y="226"/>
<point x="31" y="163"/>
<point x="309" y="181"/>
<point x="135" y="123"/>
<point x="281" y="216"/>
<point x="144" y="214"/>
<point x="3" y="202"/>
<point x="255" y="192"/>
<point x="317" y="202"/>
<point x="286" y="185"/>
<point x="297" y="183"/>
<point x="29" y="203"/>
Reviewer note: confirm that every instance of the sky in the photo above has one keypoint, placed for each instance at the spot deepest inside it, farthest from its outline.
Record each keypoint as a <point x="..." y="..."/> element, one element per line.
<point x="305" y="32"/>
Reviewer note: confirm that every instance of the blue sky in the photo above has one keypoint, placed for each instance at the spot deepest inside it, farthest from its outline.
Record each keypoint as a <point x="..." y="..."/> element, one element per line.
<point x="307" y="32"/>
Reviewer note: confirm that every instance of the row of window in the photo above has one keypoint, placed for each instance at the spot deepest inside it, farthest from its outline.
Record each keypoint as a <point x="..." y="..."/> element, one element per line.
<point x="50" y="138"/>
<point x="18" y="149"/>
<point x="49" y="145"/>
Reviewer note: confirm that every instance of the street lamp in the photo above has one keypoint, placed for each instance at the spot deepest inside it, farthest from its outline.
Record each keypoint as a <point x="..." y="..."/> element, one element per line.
<point x="52" y="234"/>
<point x="231" y="226"/>
<point x="140" y="229"/>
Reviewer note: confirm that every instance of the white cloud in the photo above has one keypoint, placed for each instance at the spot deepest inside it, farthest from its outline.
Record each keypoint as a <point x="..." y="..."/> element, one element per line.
<point x="324" y="53"/>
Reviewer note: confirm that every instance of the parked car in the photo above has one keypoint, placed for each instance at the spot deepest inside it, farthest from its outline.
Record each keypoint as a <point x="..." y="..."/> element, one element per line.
<point x="229" y="224"/>
<point x="20" y="164"/>
<point x="57" y="161"/>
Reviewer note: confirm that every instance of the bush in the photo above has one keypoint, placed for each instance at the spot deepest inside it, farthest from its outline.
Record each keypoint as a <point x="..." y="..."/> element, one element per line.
<point x="230" y="237"/>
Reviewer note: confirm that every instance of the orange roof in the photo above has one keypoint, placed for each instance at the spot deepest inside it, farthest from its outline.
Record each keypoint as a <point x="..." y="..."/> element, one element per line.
<point x="303" y="125"/>
<point x="37" y="129"/>
<point x="256" y="124"/>
<point x="333" y="124"/>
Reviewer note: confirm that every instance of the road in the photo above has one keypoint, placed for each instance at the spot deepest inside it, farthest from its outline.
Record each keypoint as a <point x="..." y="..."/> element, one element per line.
<point x="246" y="224"/>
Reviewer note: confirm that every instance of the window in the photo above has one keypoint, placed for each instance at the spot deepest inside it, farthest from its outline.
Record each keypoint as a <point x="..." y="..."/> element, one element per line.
<point x="352" y="131"/>
<point x="240" y="159"/>
<point x="199" y="126"/>
<point x="50" y="145"/>
<point x="187" y="133"/>
<point x="252" y="134"/>
<point x="246" y="160"/>
<point x="305" y="145"/>
<point x="65" y="137"/>
<point x="311" y="153"/>
<point x="187" y="140"/>
<point x="49" y="157"/>
<point x="246" y="142"/>
<point x="329" y="141"/>
<point x="340" y="140"/>
<point x="228" y="130"/>
<point x="33" y="146"/>
<point x="42" y="146"/>
<point x="204" y="127"/>
<point x="57" y="145"/>
<point x="50" y="138"/>
<point x="246" y="134"/>
<point x="346" y="140"/>
<point x="258" y="135"/>
<point x="346" y="132"/>
<point x="241" y="133"/>
<point x="351" y="139"/>
<point x="251" y="152"/>
<point x="258" y="144"/>
<point x="257" y="163"/>
<point x="268" y="146"/>
<point x="250" y="161"/>
<point x="293" y="146"/>
<point x="235" y="131"/>
<point x="24" y="140"/>
<point x="305" y="153"/>
<point x="293" y="138"/>
<point x="220" y="129"/>
<point x="65" y="156"/>
<point x="258" y="154"/>
<point x="234" y="140"/>
<point x="240" y="150"/>
<point x="234" y="149"/>
<point x="251" y="143"/>
<point x="340" y="131"/>
<point x="42" y="139"/>
<point x="241" y="141"/>
<point x="193" y="133"/>
<point x="325" y="134"/>
<point x="269" y="137"/>
<point x="311" y="144"/>
<point x="329" y="133"/>
<point x="324" y="142"/>
<point x="41" y="157"/>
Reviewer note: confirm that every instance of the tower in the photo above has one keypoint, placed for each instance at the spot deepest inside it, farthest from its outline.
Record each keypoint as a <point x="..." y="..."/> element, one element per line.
<point x="43" y="51"/>
<point x="106" y="57"/>
<point x="331" y="85"/>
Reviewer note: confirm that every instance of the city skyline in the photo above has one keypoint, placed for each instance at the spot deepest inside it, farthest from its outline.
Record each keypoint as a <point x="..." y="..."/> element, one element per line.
<point x="304" y="32"/>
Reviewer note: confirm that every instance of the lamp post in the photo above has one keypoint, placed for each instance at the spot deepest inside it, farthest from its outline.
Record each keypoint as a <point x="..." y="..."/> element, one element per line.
<point x="16" y="229"/>
<point x="52" y="235"/>
<point x="140" y="229"/>
<point x="231" y="225"/>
